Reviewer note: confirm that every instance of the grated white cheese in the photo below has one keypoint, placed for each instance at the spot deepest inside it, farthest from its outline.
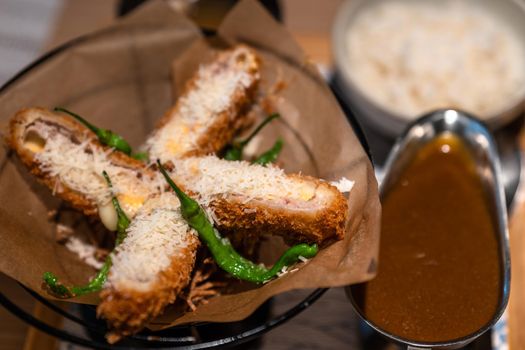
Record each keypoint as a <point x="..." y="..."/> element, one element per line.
<point x="285" y="270"/>
<point x="302" y="258"/>
<point x="155" y="236"/>
<point x="210" y="177"/>
<point x="85" y="251"/>
<point x="79" y="166"/>
<point x="343" y="185"/>
<point x="215" y="86"/>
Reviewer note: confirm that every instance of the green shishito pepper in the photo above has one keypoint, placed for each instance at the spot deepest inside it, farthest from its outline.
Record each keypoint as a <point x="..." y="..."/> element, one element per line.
<point x="61" y="291"/>
<point x="234" y="151"/>
<point x="221" y="249"/>
<point x="122" y="219"/>
<point x="105" y="136"/>
<point x="271" y="155"/>
<point x="142" y="156"/>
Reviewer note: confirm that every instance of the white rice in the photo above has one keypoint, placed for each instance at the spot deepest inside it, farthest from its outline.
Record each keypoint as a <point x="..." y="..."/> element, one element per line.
<point x="411" y="57"/>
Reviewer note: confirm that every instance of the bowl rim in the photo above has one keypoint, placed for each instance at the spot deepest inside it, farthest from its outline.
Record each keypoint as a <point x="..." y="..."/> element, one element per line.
<point x="349" y="9"/>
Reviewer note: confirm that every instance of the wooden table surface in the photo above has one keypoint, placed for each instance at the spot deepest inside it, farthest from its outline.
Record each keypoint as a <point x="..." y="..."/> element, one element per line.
<point x="516" y="308"/>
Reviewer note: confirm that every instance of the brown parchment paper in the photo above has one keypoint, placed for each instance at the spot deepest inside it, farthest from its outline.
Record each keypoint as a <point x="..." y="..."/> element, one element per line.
<point x="122" y="78"/>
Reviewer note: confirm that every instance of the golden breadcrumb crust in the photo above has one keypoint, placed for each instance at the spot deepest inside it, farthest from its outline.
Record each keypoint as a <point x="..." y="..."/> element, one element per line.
<point x="222" y="128"/>
<point x="127" y="310"/>
<point x="78" y="133"/>
<point x="320" y="224"/>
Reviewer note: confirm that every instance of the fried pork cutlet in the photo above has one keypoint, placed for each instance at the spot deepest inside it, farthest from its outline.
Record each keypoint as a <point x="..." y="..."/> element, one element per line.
<point x="252" y="199"/>
<point x="211" y="110"/>
<point x="149" y="268"/>
<point x="68" y="158"/>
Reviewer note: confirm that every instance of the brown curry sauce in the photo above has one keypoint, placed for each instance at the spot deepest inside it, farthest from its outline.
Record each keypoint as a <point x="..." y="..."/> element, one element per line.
<point x="439" y="276"/>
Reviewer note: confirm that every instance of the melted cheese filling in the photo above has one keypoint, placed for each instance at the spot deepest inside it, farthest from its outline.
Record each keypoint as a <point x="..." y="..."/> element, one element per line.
<point x="34" y="142"/>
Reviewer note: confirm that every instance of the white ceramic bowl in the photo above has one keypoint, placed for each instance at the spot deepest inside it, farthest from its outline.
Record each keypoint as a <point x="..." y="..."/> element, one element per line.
<point x="389" y="122"/>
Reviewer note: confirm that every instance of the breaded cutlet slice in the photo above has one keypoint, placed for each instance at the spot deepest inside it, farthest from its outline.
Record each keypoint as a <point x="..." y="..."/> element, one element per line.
<point x="244" y="198"/>
<point x="253" y="199"/>
<point x="149" y="268"/>
<point x="68" y="158"/>
<point x="211" y="110"/>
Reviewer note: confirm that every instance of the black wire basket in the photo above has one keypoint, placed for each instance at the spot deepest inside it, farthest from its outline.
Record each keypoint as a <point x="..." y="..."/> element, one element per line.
<point x="83" y="328"/>
<point x="86" y="330"/>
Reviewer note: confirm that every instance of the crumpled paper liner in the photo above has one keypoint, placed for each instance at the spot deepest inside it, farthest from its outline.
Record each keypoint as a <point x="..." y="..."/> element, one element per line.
<point x="121" y="78"/>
